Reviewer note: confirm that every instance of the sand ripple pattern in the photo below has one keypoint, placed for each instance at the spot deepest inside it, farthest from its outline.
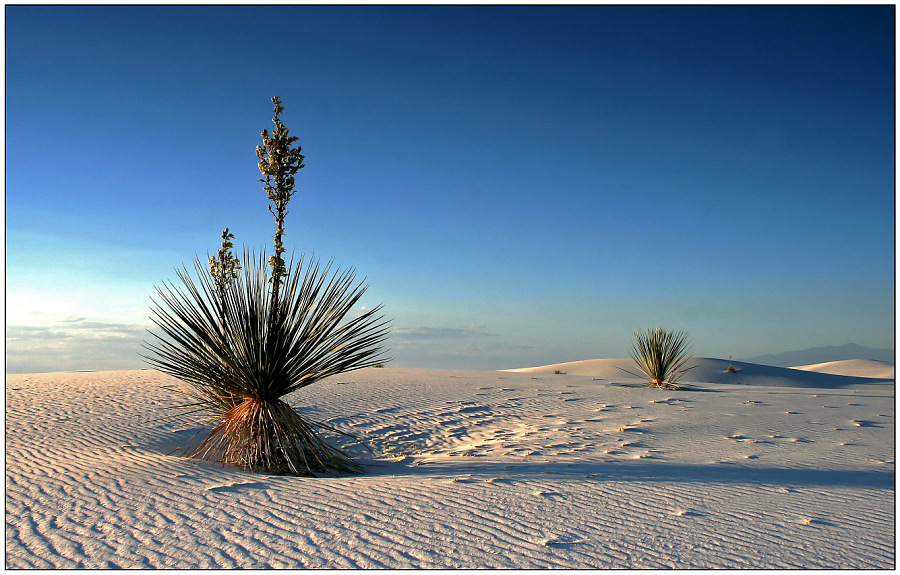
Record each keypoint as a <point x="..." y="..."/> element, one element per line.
<point x="467" y="469"/>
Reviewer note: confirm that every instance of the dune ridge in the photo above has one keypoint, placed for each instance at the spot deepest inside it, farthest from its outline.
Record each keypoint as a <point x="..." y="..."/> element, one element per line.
<point x="712" y="370"/>
<point x="854" y="367"/>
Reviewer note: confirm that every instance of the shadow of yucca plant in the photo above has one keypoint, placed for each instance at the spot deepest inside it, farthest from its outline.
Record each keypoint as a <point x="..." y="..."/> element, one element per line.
<point x="241" y="352"/>
<point x="660" y="355"/>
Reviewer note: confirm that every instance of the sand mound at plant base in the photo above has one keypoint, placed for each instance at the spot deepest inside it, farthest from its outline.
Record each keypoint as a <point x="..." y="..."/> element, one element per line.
<point x="470" y="470"/>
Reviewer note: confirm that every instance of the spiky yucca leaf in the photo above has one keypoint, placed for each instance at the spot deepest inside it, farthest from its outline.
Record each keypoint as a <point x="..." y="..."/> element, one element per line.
<point x="240" y="353"/>
<point x="660" y="355"/>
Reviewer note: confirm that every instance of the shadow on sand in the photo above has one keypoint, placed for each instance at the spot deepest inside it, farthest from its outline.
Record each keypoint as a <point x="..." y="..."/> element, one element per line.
<point x="469" y="468"/>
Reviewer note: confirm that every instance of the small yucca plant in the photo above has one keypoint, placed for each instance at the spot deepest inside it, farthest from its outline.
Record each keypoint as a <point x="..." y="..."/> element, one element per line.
<point x="660" y="355"/>
<point x="241" y="352"/>
<point x="730" y="368"/>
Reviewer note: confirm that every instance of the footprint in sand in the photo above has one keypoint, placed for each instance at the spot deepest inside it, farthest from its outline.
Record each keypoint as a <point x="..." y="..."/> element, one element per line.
<point x="233" y="484"/>
<point x="811" y="521"/>
<point x="466" y="479"/>
<point x="542" y="493"/>
<point x="559" y="541"/>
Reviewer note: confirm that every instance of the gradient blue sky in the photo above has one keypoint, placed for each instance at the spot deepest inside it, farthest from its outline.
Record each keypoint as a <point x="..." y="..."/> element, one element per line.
<point x="519" y="185"/>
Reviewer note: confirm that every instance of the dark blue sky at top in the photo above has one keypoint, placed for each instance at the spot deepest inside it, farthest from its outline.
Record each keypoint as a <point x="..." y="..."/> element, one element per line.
<point x="467" y="154"/>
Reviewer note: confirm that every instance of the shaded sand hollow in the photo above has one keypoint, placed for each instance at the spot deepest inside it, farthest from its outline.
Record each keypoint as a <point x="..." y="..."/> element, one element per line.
<point x="467" y="469"/>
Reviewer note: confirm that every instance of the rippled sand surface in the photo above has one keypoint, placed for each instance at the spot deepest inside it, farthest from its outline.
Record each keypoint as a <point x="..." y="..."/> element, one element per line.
<point x="466" y="469"/>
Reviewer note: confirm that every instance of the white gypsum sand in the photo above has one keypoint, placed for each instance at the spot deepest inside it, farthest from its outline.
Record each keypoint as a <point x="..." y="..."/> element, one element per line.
<point x="470" y="469"/>
<point x="854" y="367"/>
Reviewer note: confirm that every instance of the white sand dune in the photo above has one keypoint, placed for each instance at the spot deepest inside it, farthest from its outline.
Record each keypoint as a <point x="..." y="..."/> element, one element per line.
<point x="468" y="469"/>
<point x="711" y="370"/>
<point x="854" y="367"/>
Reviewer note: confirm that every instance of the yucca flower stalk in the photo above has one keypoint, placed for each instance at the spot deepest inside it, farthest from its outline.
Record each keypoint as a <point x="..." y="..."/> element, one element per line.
<point x="660" y="355"/>
<point x="242" y="350"/>
<point x="279" y="162"/>
<point x="224" y="268"/>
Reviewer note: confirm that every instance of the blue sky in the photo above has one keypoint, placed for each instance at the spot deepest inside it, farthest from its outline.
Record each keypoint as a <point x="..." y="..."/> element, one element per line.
<point x="519" y="185"/>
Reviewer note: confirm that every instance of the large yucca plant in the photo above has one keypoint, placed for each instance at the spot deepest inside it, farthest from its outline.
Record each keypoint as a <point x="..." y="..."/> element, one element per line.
<point x="660" y="355"/>
<point x="242" y="350"/>
<point x="243" y="341"/>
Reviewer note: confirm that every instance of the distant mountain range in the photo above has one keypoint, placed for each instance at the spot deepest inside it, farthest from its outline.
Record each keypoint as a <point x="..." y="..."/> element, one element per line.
<point x="822" y="355"/>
